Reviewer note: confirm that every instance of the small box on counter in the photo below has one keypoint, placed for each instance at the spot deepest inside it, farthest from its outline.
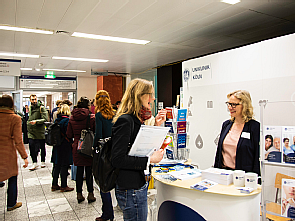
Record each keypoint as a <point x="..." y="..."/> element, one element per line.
<point x="221" y="176"/>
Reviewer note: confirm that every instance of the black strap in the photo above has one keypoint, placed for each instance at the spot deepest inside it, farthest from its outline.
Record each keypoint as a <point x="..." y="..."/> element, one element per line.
<point x="88" y="123"/>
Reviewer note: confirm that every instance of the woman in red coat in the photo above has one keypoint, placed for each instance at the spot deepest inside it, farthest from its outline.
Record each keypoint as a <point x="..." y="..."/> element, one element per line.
<point x="77" y="123"/>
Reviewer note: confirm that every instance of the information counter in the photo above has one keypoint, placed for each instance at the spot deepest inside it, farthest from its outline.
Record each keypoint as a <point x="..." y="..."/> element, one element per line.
<point x="177" y="201"/>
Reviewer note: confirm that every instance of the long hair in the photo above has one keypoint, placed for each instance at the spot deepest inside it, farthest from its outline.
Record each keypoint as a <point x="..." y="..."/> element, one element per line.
<point x="131" y="101"/>
<point x="245" y="98"/>
<point x="103" y="104"/>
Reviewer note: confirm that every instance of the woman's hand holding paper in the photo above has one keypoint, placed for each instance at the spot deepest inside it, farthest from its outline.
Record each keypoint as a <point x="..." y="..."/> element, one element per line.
<point x="157" y="156"/>
<point x="161" y="117"/>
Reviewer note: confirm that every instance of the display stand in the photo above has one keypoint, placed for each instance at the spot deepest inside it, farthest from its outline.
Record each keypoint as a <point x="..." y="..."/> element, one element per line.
<point x="277" y="114"/>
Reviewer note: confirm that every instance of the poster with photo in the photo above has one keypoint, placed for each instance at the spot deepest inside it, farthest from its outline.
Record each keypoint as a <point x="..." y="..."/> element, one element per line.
<point x="288" y="198"/>
<point x="288" y="144"/>
<point x="272" y="143"/>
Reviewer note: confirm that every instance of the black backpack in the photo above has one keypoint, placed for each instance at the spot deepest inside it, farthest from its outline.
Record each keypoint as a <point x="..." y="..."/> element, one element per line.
<point x="53" y="135"/>
<point x="105" y="175"/>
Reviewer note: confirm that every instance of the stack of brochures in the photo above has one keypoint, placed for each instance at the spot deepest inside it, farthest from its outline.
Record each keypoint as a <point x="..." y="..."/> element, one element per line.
<point x="203" y="185"/>
<point x="185" y="174"/>
<point x="221" y="176"/>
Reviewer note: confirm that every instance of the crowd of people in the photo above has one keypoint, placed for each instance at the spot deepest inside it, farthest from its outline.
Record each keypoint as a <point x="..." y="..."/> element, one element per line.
<point x="238" y="146"/>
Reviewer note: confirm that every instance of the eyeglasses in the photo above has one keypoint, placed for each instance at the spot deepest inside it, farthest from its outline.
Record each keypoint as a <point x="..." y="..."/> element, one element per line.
<point x="233" y="105"/>
<point x="151" y="94"/>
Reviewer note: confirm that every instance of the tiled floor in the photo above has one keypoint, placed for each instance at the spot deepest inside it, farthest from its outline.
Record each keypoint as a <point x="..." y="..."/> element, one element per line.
<point x="40" y="203"/>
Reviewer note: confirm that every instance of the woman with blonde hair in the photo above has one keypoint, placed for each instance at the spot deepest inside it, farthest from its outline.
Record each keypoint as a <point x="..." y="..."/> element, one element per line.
<point x="62" y="154"/>
<point x="238" y="146"/>
<point x="103" y="129"/>
<point x="132" y="183"/>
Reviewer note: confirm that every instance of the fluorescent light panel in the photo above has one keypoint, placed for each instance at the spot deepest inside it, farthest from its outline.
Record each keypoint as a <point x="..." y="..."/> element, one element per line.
<point x="38" y="31"/>
<point x="20" y="55"/>
<point x="232" y="2"/>
<point x="79" y="59"/>
<point x="26" y="69"/>
<point x="110" y="38"/>
<point x="62" y="70"/>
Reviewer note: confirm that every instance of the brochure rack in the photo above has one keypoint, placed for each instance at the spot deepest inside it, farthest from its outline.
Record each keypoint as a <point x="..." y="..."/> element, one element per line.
<point x="178" y="132"/>
<point x="274" y="170"/>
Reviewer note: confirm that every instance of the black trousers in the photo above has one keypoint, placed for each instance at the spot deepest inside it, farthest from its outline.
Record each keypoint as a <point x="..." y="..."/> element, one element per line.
<point x="63" y="171"/>
<point x="35" y="145"/>
<point x="79" y="178"/>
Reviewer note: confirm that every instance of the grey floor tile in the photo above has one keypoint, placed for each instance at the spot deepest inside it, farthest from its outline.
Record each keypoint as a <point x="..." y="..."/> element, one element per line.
<point x="69" y="215"/>
<point x="42" y="218"/>
<point x="86" y="212"/>
<point x="16" y="214"/>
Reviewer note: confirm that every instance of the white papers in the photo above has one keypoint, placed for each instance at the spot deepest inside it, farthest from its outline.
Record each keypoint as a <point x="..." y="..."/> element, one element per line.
<point x="148" y="140"/>
<point x="168" y="161"/>
<point x="185" y="174"/>
<point x="203" y="185"/>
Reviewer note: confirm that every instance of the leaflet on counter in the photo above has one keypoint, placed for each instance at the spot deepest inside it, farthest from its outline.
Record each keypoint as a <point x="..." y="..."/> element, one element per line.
<point x="148" y="140"/>
<point x="203" y="185"/>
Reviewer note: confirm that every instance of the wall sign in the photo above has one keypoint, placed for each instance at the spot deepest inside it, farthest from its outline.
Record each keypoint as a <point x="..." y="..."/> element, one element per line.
<point x="47" y="84"/>
<point x="10" y="67"/>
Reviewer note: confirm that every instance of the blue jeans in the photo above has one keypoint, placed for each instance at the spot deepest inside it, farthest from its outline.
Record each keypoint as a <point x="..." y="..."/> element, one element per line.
<point x="107" y="206"/>
<point x="133" y="203"/>
<point x="12" y="192"/>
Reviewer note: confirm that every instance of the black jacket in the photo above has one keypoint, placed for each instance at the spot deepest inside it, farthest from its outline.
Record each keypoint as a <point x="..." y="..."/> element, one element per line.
<point x="131" y="174"/>
<point x="247" y="155"/>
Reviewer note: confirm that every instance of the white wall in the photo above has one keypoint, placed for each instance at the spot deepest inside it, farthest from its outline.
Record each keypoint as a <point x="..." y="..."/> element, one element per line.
<point x="86" y="86"/>
<point x="265" y="69"/>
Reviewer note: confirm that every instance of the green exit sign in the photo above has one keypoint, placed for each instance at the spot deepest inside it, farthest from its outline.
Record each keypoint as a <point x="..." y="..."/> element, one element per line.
<point x="50" y="74"/>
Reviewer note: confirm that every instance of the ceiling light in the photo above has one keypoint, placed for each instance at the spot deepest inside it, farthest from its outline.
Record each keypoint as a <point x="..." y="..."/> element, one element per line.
<point x="62" y="70"/>
<point x="79" y="59"/>
<point x="20" y="55"/>
<point x="37" y="69"/>
<point x="26" y="69"/>
<point x="109" y="38"/>
<point x="12" y="28"/>
<point x="232" y="2"/>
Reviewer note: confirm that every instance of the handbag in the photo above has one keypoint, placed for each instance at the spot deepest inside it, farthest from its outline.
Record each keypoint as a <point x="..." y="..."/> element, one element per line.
<point x="86" y="141"/>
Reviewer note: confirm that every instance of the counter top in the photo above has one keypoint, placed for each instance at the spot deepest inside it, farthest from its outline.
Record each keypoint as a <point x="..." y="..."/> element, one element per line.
<point x="229" y="190"/>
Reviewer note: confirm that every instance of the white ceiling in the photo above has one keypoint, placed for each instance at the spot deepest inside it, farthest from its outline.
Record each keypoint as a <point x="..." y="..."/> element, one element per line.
<point x="178" y="30"/>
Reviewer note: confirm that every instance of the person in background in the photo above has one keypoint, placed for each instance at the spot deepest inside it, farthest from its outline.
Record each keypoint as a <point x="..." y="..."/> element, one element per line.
<point x="76" y="124"/>
<point x="132" y="183"/>
<point x="67" y="102"/>
<point x="11" y="140"/>
<point x="286" y="148"/>
<point x="24" y="124"/>
<point x="62" y="154"/>
<point x="293" y="145"/>
<point x="103" y="129"/>
<point x="238" y="145"/>
<point x="58" y="102"/>
<point x="36" y="131"/>
<point x="92" y="106"/>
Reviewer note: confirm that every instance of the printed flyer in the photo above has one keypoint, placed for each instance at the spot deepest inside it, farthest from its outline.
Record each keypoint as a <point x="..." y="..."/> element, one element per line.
<point x="288" y="198"/>
<point x="272" y="143"/>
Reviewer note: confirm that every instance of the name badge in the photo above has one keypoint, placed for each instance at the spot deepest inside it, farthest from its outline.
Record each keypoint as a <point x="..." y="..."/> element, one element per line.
<point x="245" y="135"/>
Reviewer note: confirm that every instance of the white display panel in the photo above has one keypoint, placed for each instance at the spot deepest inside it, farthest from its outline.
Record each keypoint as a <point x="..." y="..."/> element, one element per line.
<point x="7" y="82"/>
<point x="47" y="84"/>
<point x="265" y="69"/>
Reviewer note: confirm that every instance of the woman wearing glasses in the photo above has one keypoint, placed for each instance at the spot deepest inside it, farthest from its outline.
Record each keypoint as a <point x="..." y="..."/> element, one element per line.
<point x="238" y="146"/>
